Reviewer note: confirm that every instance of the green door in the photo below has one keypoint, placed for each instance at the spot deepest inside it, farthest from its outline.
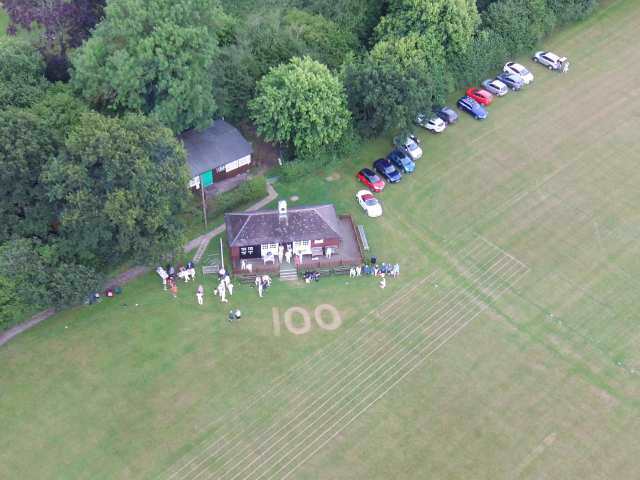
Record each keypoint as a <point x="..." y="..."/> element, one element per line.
<point x="206" y="178"/>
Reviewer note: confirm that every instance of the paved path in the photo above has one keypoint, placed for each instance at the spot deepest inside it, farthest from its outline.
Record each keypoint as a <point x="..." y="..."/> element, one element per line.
<point x="200" y="243"/>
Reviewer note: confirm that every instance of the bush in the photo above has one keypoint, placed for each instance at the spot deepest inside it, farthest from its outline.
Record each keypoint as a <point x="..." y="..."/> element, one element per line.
<point x="34" y="276"/>
<point x="250" y="191"/>
<point x="11" y="309"/>
<point x="488" y="53"/>
<point x="571" y="10"/>
<point x="521" y="23"/>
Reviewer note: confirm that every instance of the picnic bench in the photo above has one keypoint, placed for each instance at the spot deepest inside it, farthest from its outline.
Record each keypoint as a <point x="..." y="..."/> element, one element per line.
<point x="363" y="237"/>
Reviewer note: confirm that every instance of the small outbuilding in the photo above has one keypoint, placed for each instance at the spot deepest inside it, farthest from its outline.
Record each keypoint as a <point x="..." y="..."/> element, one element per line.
<point x="216" y="153"/>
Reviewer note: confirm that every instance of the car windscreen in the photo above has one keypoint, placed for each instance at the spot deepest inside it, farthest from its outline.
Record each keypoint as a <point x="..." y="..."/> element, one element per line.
<point x="370" y="201"/>
<point x="411" y="145"/>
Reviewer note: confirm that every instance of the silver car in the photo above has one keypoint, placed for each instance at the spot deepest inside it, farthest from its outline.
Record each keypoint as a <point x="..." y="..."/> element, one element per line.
<point x="552" y="61"/>
<point x="495" y="86"/>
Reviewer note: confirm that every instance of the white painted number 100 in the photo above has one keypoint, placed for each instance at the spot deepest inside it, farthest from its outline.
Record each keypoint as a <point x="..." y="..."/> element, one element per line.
<point x="300" y="328"/>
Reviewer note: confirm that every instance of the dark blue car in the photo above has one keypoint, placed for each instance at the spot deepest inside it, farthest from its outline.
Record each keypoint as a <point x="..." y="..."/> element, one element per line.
<point x="473" y="108"/>
<point x="385" y="168"/>
<point x="402" y="161"/>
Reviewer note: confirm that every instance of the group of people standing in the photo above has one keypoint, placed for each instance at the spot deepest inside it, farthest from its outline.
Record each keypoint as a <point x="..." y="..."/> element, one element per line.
<point x="170" y="276"/>
<point x="262" y="282"/>
<point x="224" y="286"/>
<point x="376" y="270"/>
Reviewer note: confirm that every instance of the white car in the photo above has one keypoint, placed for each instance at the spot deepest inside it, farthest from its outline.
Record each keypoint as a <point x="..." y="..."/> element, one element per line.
<point x="411" y="145"/>
<point x="434" y="124"/>
<point x="513" y="67"/>
<point x="552" y="61"/>
<point x="369" y="203"/>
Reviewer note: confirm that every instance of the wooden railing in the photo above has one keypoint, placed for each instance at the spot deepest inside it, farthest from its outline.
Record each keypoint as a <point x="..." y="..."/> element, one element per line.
<point x="257" y="269"/>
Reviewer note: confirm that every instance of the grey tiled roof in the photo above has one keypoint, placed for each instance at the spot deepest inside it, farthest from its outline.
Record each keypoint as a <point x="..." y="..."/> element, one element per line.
<point x="218" y="145"/>
<point x="264" y="226"/>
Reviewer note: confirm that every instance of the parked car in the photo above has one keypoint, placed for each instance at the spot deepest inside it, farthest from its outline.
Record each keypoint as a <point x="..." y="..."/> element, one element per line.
<point x="410" y="144"/>
<point x="385" y="168"/>
<point x="552" y="61"/>
<point x="479" y="95"/>
<point x="433" y="123"/>
<point x="402" y="161"/>
<point x="473" y="108"/>
<point x="369" y="203"/>
<point x="511" y="80"/>
<point x="516" y="68"/>
<point x="448" y="114"/>
<point x="495" y="86"/>
<point x="369" y="178"/>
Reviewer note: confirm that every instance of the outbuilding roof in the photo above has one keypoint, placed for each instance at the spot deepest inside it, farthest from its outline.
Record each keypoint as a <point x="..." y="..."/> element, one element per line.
<point x="213" y="147"/>
<point x="266" y="226"/>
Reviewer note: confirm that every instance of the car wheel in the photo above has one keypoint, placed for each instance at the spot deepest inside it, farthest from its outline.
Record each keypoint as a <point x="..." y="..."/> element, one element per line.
<point x="535" y="59"/>
<point x="550" y="67"/>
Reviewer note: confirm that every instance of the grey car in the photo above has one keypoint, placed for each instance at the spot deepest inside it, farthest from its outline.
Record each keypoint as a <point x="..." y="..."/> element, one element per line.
<point x="495" y="86"/>
<point x="511" y="80"/>
<point x="447" y="114"/>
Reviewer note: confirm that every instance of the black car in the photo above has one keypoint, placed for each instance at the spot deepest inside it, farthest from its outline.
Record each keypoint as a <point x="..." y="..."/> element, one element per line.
<point x="511" y="80"/>
<point x="385" y="168"/>
<point x="447" y="114"/>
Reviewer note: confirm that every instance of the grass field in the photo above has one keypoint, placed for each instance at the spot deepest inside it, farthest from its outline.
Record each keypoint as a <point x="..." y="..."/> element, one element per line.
<point x="508" y="349"/>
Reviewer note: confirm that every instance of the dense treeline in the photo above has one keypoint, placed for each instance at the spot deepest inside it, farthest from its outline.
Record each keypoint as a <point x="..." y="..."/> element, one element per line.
<point x="91" y="171"/>
<point x="79" y="191"/>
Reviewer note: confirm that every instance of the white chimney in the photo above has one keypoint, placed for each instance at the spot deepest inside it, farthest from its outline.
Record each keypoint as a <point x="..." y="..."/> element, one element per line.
<point x="282" y="212"/>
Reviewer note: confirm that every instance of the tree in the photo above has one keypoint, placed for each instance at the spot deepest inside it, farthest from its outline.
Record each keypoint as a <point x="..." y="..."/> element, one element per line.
<point x="261" y="43"/>
<point x="59" y="110"/>
<point x="450" y="23"/>
<point x="267" y="39"/>
<point x="521" y="23"/>
<point x="571" y="10"/>
<point x="153" y="57"/>
<point x="22" y="79"/>
<point x="321" y="39"/>
<point x="356" y="16"/>
<point x="118" y="186"/>
<point x="398" y="79"/>
<point x="301" y="104"/>
<point x="61" y="25"/>
<point x="26" y="145"/>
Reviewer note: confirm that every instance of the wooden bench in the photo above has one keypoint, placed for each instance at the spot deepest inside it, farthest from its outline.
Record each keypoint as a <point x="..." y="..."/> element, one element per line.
<point x="363" y="237"/>
<point x="210" y="270"/>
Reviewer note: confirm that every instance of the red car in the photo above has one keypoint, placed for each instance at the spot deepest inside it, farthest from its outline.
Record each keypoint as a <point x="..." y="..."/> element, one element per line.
<point x="371" y="179"/>
<point x="479" y="95"/>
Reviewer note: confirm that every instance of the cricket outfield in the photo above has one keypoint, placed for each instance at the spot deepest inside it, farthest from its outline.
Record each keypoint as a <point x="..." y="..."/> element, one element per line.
<point x="509" y="348"/>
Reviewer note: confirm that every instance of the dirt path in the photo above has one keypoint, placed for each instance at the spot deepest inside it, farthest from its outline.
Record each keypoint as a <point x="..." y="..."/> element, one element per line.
<point x="200" y="243"/>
